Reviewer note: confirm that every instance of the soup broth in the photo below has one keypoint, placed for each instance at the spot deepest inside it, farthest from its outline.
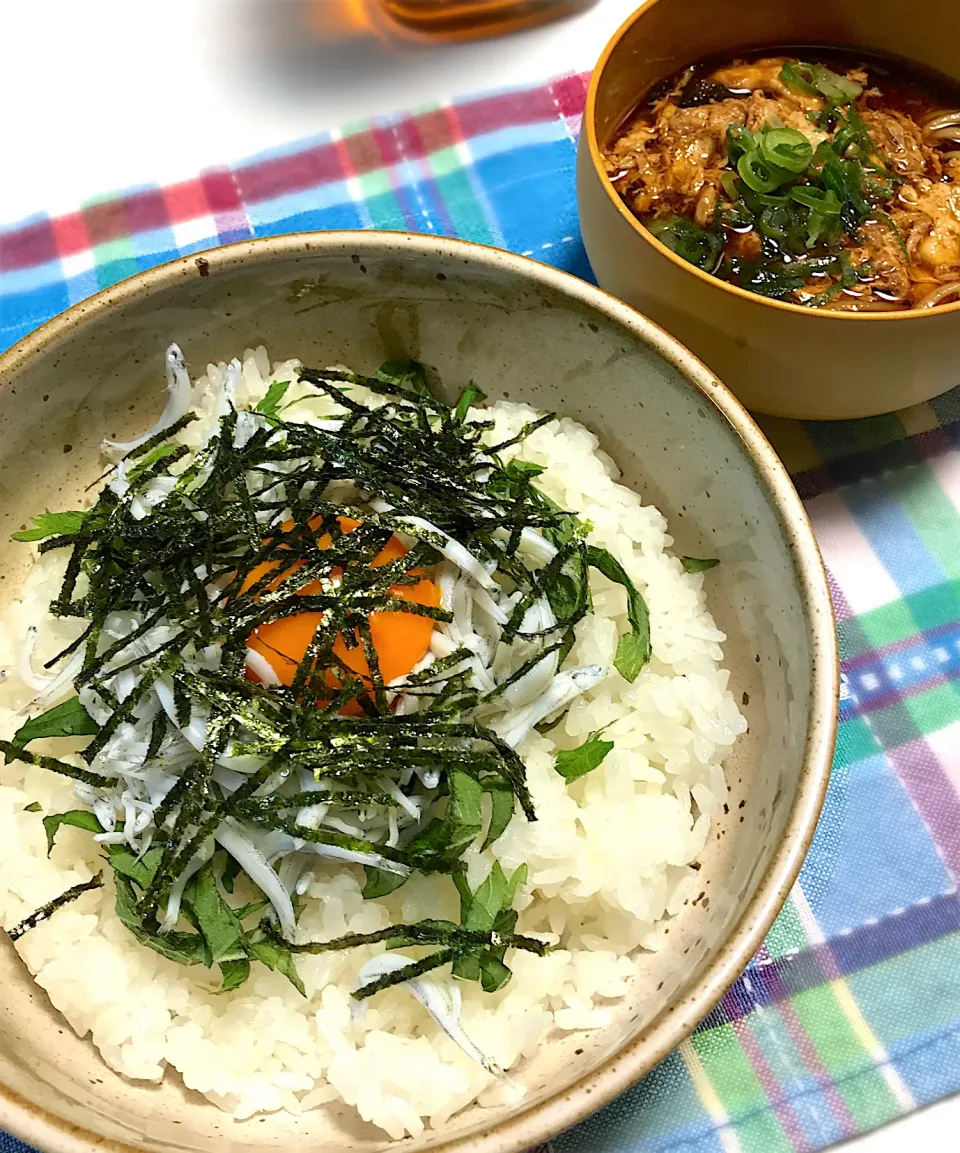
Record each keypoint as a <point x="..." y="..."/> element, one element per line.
<point x="811" y="176"/>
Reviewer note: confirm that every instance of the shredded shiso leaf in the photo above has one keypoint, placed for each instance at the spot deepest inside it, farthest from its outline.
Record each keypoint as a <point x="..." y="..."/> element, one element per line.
<point x="572" y="764"/>
<point x="698" y="564"/>
<point x="184" y="554"/>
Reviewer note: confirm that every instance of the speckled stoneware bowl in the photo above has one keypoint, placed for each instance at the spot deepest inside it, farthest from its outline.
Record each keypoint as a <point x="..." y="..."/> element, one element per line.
<point x="778" y="358"/>
<point x="524" y="331"/>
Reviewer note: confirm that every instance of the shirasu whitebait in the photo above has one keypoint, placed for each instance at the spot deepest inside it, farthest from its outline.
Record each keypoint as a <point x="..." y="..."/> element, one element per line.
<point x="156" y="493"/>
<point x="25" y="670"/>
<point x="227" y="392"/>
<point x="179" y="394"/>
<point x="50" y="687"/>
<point x="566" y="687"/>
<point x="449" y="548"/>
<point x="355" y="857"/>
<point x="258" y="663"/>
<point x="537" y="680"/>
<point x="263" y="875"/>
<point x="194" y="865"/>
<point x="478" y="596"/>
<point x="442" y="1002"/>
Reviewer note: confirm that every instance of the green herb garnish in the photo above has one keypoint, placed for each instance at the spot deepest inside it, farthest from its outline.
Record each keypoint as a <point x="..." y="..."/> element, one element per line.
<point x="698" y="564"/>
<point x="633" y="648"/>
<point x="69" y="719"/>
<point x="243" y="516"/>
<point x="489" y="909"/>
<point x="572" y="764"/>
<point x="270" y="403"/>
<point x="275" y="955"/>
<point x="51" y="524"/>
<point x="470" y="396"/>
<point x="77" y="818"/>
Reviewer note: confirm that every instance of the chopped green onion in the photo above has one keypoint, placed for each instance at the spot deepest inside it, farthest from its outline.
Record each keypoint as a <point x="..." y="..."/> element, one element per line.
<point x="695" y="245"/>
<point x="888" y="220"/>
<point x="815" y="78"/>
<point x="843" y="138"/>
<point x="822" y="299"/>
<point x="792" y="74"/>
<point x="831" y="176"/>
<point x="816" y="227"/>
<point x="759" y="174"/>
<point x="776" y="224"/>
<point x="739" y="140"/>
<point x="822" y="200"/>
<point x="803" y="203"/>
<point x="786" y="148"/>
<point x="836" y="87"/>
<point x="729" y="184"/>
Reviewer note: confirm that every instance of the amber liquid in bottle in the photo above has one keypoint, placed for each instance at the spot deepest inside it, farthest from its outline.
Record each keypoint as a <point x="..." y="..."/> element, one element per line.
<point x="462" y="19"/>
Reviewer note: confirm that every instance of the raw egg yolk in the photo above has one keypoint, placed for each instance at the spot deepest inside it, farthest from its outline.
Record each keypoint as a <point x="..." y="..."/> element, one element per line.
<point x="401" y="640"/>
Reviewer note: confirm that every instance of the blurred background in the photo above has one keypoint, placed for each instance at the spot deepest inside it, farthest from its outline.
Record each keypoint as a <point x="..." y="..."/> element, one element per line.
<point x="435" y="19"/>
<point x="115" y="93"/>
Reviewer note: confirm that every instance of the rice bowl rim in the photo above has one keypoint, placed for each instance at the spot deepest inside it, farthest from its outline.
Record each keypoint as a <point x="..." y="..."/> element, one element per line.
<point x="676" y="1019"/>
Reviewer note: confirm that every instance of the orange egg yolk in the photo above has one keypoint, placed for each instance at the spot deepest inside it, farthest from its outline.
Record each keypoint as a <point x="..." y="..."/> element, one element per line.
<point x="401" y="640"/>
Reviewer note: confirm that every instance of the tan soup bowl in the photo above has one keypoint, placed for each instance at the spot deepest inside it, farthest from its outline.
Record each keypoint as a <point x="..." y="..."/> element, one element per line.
<point x="778" y="358"/>
<point x="522" y="330"/>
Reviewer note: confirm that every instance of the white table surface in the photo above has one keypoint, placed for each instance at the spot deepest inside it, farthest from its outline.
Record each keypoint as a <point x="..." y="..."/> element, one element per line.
<point x="99" y="95"/>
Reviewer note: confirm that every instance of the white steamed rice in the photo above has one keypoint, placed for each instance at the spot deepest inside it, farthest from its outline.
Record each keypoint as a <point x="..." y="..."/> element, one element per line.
<point x="608" y="857"/>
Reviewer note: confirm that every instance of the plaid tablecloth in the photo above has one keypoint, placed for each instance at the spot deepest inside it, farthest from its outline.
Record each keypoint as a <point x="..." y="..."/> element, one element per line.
<point x="850" y="1014"/>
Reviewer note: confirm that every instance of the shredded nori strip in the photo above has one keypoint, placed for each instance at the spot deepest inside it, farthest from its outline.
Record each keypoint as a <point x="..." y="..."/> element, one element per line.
<point x="284" y="549"/>
<point x="51" y="907"/>
<point x="424" y="933"/>
<point x="456" y="942"/>
<point x="12" y="752"/>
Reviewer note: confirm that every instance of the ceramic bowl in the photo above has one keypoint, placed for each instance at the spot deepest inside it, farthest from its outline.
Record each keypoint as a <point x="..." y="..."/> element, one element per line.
<point x="778" y="358"/>
<point x="524" y="331"/>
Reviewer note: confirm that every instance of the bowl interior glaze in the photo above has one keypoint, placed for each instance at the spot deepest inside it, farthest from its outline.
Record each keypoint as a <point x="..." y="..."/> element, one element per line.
<point x="524" y="332"/>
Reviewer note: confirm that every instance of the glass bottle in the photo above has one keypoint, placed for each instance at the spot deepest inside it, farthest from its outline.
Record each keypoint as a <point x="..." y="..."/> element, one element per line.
<point x="467" y="19"/>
